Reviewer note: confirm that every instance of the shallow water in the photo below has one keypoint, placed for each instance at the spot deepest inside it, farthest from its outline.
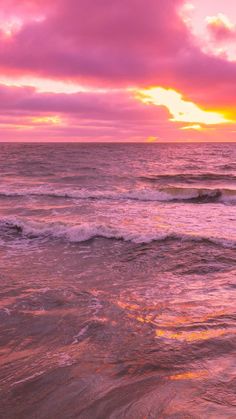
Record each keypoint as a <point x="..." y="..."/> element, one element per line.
<point x="118" y="281"/>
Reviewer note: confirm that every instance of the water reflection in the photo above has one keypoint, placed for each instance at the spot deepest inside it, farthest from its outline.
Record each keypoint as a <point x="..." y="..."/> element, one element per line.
<point x="123" y="344"/>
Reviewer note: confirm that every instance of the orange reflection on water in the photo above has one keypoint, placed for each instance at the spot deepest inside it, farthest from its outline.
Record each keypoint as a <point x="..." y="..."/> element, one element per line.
<point x="191" y="336"/>
<point x="164" y="321"/>
<point x="128" y="306"/>
<point x="189" y="375"/>
<point x="181" y="320"/>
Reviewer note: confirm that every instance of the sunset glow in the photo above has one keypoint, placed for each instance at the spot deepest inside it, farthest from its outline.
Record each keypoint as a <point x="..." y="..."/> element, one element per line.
<point x="180" y="109"/>
<point x="220" y="22"/>
<point x="117" y="209"/>
<point x="172" y="69"/>
<point x="51" y="120"/>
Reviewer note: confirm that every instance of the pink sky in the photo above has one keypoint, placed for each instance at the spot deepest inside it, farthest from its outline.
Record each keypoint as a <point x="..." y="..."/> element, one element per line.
<point x="102" y="70"/>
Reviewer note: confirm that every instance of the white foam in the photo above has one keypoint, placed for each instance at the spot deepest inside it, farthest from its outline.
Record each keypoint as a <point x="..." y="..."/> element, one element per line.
<point x="89" y="230"/>
<point x="162" y="194"/>
<point x="80" y="334"/>
<point x="65" y="360"/>
<point x="31" y="377"/>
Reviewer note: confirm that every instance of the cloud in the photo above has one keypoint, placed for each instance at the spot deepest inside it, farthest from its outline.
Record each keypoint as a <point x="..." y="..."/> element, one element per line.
<point x="119" y="105"/>
<point x="86" y="115"/>
<point x="180" y="109"/>
<point x="220" y="28"/>
<point x="111" y="45"/>
<point x="28" y="115"/>
<point x="104" y="42"/>
<point x="98" y="41"/>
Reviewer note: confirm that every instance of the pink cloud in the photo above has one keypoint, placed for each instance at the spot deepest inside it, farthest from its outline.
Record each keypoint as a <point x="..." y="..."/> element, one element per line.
<point x="220" y="28"/>
<point x="90" y="116"/>
<point x="110" y="116"/>
<point x="98" y="40"/>
<point x="110" y="44"/>
<point x="113" y="105"/>
<point x="113" y="44"/>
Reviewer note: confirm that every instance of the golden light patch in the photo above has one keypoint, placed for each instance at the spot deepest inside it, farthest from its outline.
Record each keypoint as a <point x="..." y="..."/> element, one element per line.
<point x="220" y="21"/>
<point x="151" y="139"/>
<point x="190" y="336"/>
<point x="188" y="375"/>
<point x="180" y="109"/>
<point x="47" y="120"/>
<point x="178" y="321"/>
<point x="128" y="306"/>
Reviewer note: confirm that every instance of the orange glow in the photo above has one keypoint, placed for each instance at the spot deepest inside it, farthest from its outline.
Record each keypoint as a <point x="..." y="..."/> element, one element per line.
<point x="190" y="336"/>
<point x="182" y="320"/>
<point x="135" y="312"/>
<point x="180" y="109"/>
<point x="151" y="139"/>
<point x="189" y="375"/>
<point x="128" y="306"/>
<point x="47" y="120"/>
<point x="220" y="21"/>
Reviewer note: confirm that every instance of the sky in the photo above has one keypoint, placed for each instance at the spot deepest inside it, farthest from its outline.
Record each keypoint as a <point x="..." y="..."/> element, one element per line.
<point x="118" y="71"/>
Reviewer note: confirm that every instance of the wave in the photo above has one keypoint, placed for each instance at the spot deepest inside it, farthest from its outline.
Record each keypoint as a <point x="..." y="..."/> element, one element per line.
<point x="190" y="177"/>
<point x="90" y="230"/>
<point x="168" y="194"/>
<point x="194" y="195"/>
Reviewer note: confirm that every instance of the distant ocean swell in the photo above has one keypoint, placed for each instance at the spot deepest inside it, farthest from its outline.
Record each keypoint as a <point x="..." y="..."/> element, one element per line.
<point x="191" y="178"/>
<point x="167" y="194"/>
<point x="88" y="230"/>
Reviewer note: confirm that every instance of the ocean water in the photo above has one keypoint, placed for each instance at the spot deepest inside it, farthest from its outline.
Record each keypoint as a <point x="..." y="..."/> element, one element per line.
<point x="117" y="281"/>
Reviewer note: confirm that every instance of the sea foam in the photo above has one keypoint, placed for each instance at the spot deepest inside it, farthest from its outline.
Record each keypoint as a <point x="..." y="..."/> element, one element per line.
<point x="89" y="230"/>
<point x="167" y="194"/>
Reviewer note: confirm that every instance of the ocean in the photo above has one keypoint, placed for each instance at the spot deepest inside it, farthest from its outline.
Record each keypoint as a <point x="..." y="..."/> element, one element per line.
<point x="117" y="281"/>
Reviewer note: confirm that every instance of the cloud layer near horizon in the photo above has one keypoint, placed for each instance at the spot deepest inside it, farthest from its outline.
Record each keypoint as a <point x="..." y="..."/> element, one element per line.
<point x="112" y="45"/>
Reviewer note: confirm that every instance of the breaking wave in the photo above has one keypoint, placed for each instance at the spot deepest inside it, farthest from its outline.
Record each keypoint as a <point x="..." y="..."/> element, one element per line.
<point x="168" y="194"/>
<point x="89" y="230"/>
